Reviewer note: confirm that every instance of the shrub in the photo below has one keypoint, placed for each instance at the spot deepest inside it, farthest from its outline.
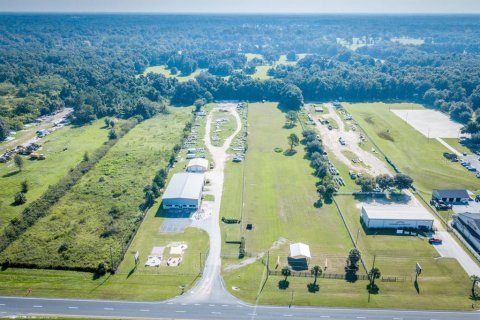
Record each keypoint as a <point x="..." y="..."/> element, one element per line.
<point x="20" y="198"/>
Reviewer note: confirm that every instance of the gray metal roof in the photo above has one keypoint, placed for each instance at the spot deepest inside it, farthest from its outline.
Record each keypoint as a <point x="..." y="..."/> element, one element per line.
<point x="451" y="193"/>
<point x="185" y="185"/>
<point x="473" y="216"/>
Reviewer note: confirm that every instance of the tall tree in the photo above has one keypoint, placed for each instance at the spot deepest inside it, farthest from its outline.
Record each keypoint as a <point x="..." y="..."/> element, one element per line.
<point x="475" y="279"/>
<point x="3" y="130"/>
<point x="18" y="160"/>
<point x="402" y="181"/>
<point x="293" y="141"/>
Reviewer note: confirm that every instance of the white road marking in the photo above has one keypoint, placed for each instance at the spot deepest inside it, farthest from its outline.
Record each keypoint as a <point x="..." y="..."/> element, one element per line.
<point x="144" y="310"/>
<point x="180" y="311"/>
<point x="361" y="318"/>
<point x="251" y="314"/>
<point x="239" y="306"/>
<point x="170" y="303"/>
<point x="211" y="305"/>
<point x="216" y="312"/>
<point x="2" y="304"/>
<point x="224" y="305"/>
<point x="324" y="316"/>
<point x="197" y="304"/>
<point x="38" y="306"/>
<point x="288" y="315"/>
<point x="72" y="307"/>
<point x="397" y="318"/>
<point x="107" y="308"/>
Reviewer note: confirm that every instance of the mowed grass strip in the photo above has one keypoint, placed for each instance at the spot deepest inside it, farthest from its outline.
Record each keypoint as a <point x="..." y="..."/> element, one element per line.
<point x="63" y="150"/>
<point x="413" y="153"/>
<point x="93" y="222"/>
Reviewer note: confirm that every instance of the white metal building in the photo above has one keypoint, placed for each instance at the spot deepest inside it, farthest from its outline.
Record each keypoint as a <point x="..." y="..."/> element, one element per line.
<point x="184" y="191"/>
<point x="396" y="217"/>
<point x="300" y="251"/>
<point x="197" y="165"/>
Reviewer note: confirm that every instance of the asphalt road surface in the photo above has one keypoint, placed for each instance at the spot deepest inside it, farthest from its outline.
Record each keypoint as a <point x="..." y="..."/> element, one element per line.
<point x="14" y="306"/>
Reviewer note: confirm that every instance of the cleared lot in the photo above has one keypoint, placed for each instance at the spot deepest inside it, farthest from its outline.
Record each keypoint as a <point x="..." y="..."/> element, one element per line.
<point x="430" y="123"/>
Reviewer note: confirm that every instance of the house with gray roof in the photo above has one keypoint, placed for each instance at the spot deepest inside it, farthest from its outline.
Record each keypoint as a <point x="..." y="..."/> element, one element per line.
<point x="184" y="191"/>
<point x="468" y="224"/>
<point x="452" y="196"/>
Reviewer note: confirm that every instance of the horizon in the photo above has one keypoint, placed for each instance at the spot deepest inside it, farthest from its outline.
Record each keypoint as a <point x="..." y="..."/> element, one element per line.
<point x="244" y="7"/>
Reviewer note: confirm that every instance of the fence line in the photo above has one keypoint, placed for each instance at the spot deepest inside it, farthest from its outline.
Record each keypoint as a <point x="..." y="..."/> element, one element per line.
<point x="337" y="276"/>
<point x="349" y="233"/>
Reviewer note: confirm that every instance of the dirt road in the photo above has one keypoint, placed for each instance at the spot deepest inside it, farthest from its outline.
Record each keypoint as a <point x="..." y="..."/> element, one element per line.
<point x="210" y="288"/>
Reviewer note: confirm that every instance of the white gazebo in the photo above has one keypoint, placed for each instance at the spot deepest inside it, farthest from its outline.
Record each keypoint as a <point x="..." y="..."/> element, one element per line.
<point x="300" y="251"/>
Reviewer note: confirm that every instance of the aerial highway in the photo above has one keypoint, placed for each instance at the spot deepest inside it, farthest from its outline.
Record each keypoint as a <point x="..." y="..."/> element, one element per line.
<point x="22" y="306"/>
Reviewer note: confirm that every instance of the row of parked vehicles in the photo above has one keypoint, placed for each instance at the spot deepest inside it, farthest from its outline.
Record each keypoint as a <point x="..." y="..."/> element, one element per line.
<point x="440" y="204"/>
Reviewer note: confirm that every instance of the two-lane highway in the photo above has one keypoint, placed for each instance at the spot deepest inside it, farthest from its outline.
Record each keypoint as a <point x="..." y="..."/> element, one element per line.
<point x="16" y="306"/>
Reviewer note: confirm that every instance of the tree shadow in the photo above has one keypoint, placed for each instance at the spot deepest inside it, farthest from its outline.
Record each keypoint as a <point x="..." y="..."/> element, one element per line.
<point x="290" y="152"/>
<point x="373" y="288"/>
<point x="313" y="287"/>
<point x="131" y="272"/>
<point x="351" y="276"/>
<point x="283" y="284"/>
<point x="10" y="174"/>
<point x="417" y="287"/>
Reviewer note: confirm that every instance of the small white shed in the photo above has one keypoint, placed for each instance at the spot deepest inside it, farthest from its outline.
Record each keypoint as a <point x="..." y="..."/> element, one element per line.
<point x="197" y="165"/>
<point x="300" y="251"/>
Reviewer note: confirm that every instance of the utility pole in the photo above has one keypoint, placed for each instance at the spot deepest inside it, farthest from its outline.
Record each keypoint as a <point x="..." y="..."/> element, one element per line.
<point x="111" y="260"/>
<point x="370" y="277"/>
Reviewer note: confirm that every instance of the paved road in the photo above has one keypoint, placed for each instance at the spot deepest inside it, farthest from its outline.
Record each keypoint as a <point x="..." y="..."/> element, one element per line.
<point x="449" y="147"/>
<point x="12" y="306"/>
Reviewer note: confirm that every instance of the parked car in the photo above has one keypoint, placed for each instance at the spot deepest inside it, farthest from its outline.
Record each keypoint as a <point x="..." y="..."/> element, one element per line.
<point x="434" y="240"/>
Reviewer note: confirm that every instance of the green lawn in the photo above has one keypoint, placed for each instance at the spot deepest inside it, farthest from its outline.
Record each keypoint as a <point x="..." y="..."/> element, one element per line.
<point x="164" y="71"/>
<point x="63" y="150"/>
<point x="414" y="154"/>
<point x="279" y="194"/>
<point x="97" y="215"/>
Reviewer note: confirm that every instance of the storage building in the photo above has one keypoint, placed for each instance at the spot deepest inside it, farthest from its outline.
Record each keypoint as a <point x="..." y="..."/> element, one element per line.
<point x="184" y="191"/>
<point x="197" y="165"/>
<point x="468" y="224"/>
<point x="396" y="217"/>
<point x="452" y="196"/>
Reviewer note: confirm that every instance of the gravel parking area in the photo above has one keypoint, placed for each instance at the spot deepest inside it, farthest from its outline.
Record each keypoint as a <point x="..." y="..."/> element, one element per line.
<point x="430" y="123"/>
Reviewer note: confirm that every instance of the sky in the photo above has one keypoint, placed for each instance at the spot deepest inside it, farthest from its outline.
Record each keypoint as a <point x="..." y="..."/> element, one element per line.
<point x="244" y="6"/>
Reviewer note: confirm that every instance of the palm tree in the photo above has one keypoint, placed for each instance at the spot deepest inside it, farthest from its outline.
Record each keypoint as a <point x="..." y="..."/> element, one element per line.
<point x="374" y="274"/>
<point x="475" y="279"/>
<point x="286" y="271"/>
<point x="316" y="271"/>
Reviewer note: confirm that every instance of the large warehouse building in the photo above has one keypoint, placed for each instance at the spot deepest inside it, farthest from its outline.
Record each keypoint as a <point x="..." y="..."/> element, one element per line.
<point x="184" y="191"/>
<point x="396" y="217"/>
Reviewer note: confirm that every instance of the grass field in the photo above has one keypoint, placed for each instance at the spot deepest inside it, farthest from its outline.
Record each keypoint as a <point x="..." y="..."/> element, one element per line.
<point x="96" y="216"/>
<point x="279" y="194"/>
<point x="414" y="154"/>
<point x="261" y="71"/>
<point x="278" y="200"/>
<point x="63" y="150"/>
<point x="164" y="71"/>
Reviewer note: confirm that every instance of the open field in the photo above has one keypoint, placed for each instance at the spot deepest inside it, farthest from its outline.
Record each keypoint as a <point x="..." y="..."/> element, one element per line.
<point x="279" y="198"/>
<point x="164" y="71"/>
<point x="413" y="153"/>
<point x="94" y="220"/>
<point x="63" y="150"/>
<point x="261" y="71"/>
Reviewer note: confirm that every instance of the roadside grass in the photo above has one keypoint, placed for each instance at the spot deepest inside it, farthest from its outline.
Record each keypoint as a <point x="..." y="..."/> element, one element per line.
<point x="63" y="150"/>
<point x="414" y="154"/>
<point x="166" y="72"/>
<point x="71" y="284"/>
<point x="339" y="293"/>
<point x="94" y="220"/>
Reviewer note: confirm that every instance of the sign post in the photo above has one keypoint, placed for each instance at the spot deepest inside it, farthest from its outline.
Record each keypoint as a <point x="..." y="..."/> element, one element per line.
<point x="136" y="257"/>
<point x="418" y="271"/>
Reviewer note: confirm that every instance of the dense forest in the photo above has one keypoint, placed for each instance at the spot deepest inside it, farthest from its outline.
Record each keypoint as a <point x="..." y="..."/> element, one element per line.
<point x="94" y="63"/>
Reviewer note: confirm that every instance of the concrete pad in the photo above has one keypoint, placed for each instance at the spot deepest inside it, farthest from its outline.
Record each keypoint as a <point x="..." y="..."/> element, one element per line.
<point x="175" y="225"/>
<point x="430" y="123"/>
